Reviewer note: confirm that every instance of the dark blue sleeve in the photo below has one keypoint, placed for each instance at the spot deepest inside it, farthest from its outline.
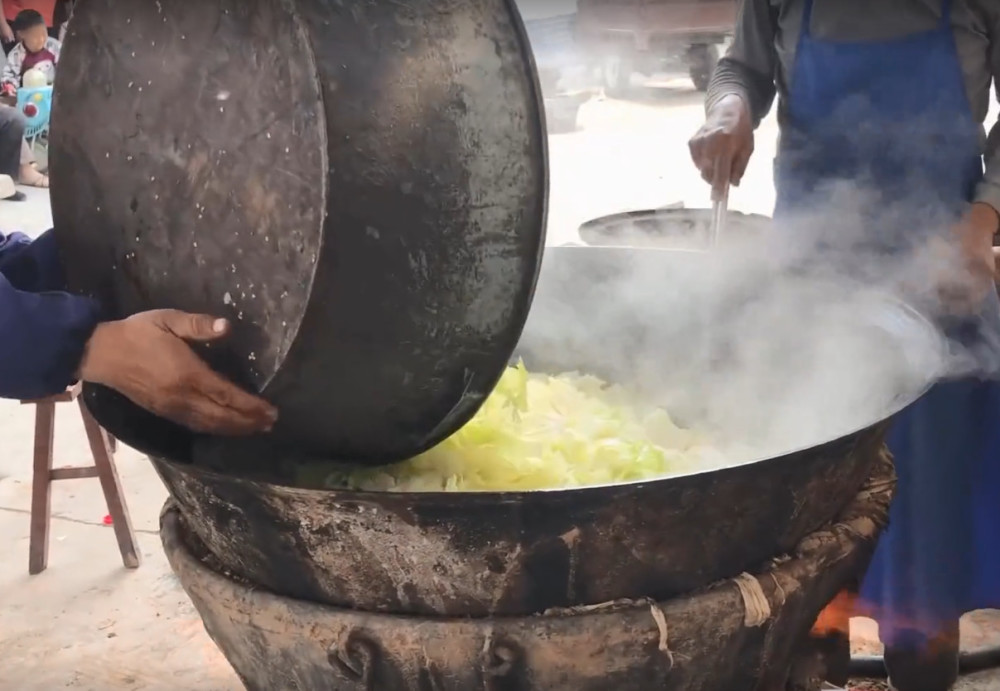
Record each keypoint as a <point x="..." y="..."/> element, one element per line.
<point x="42" y="334"/>
<point x="29" y="265"/>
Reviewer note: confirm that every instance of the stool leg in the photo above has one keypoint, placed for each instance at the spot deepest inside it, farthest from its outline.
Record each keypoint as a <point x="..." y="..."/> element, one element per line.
<point x="41" y="487"/>
<point x="100" y="448"/>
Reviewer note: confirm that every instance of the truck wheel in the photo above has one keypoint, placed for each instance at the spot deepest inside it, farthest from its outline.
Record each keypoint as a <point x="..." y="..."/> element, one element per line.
<point x="702" y="60"/>
<point x="616" y="74"/>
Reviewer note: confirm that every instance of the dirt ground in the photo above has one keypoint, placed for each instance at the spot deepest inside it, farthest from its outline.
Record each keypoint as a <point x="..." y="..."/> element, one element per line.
<point x="86" y="623"/>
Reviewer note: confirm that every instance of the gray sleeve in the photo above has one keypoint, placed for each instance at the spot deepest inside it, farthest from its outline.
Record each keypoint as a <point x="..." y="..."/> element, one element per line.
<point x="12" y="68"/>
<point x="988" y="190"/>
<point x="749" y="66"/>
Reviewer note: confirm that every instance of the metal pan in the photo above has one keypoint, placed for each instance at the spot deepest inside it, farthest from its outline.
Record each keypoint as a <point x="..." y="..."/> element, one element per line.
<point x="673" y="227"/>
<point x="360" y="187"/>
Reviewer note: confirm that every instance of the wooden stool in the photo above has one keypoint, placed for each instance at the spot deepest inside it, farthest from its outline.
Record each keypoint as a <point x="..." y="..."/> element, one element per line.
<point x="102" y="448"/>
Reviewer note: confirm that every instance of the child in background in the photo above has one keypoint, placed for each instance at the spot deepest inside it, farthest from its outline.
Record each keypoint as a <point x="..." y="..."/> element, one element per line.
<point x="34" y="50"/>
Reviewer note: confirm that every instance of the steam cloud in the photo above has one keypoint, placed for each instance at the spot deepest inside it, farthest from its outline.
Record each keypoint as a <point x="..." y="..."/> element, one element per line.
<point x="776" y="340"/>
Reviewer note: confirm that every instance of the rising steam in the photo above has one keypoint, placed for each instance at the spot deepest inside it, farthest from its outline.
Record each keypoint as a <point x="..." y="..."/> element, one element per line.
<point x="772" y="342"/>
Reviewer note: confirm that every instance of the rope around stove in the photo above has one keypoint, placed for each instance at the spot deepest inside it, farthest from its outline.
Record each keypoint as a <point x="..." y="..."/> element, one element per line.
<point x="661" y="624"/>
<point x="757" y="608"/>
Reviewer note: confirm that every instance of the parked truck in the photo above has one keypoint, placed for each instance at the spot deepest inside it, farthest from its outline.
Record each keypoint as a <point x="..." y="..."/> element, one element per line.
<point x="563" y="67"/>
<point x="625" y="37"/>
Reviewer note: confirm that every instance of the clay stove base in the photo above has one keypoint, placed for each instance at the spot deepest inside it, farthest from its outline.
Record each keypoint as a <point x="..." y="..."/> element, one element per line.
<point x="740" y="634"/>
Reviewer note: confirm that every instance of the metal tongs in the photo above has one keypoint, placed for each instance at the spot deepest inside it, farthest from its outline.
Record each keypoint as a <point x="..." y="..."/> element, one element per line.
<point x="720" y="209"/>
<point x="715" y="349"/>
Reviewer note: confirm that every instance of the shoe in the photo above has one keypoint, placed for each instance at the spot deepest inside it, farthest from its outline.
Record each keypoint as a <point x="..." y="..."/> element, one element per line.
<point x="8" y="191"/>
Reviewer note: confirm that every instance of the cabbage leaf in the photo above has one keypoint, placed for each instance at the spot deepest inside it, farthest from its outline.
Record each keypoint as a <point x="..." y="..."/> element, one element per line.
<point x="538" y="431"/>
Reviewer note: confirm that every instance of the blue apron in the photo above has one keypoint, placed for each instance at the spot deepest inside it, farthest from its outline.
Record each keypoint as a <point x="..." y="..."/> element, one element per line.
<point x="892" y="118"/>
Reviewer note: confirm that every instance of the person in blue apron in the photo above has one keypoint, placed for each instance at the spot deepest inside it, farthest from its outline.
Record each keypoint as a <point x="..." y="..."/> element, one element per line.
<point x="50" y="338"/>
<point x="883" y="104"/>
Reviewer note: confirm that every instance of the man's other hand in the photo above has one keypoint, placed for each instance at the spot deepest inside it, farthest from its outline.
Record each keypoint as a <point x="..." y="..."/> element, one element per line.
<point x="965" y="289"/>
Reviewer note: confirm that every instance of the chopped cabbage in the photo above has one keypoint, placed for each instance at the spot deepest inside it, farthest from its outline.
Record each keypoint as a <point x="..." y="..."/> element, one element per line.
<point x="538" y="431"/>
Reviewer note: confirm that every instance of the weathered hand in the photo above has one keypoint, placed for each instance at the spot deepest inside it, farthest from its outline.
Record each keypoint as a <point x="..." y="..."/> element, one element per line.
<point x="722" y="147"/>
<point x="146" y="357"/>
<point x="965" y="289"/>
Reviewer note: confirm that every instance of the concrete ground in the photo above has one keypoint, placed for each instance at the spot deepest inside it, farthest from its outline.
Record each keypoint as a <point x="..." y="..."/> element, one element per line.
<point x="90" y="625"/>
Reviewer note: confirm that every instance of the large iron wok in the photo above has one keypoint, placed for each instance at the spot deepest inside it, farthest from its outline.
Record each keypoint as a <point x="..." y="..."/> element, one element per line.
<point x="637" y="317"/>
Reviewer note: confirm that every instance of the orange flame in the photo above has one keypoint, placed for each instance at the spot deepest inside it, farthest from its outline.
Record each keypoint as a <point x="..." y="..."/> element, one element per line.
<point x="836" y="617"/>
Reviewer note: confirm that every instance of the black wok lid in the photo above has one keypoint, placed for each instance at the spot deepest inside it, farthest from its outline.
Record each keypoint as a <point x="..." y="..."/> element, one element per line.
<point x="360" y="187"/>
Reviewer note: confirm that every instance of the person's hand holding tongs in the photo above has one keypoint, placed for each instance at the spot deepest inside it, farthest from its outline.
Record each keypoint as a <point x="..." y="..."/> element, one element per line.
<point x="721" y="150"/>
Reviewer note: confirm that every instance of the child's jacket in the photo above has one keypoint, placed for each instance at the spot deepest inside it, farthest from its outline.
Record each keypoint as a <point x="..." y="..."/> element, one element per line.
<point x="20" y="61"/>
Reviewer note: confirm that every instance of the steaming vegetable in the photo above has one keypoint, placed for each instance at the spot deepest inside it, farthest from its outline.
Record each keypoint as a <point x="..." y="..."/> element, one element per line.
<point x="542" y="432"/>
